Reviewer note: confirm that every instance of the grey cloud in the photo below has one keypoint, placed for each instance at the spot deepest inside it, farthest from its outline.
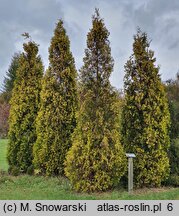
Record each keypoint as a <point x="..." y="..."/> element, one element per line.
<point x="174" y="45"/>
<point x="151" y="15"/>
<point x="36" y="17"/>
<point x="160" y="19"/>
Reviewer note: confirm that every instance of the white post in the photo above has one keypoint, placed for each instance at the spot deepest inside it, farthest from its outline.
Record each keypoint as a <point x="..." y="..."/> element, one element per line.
<point x="130" y="175"/>
<point x="130" y="171"/>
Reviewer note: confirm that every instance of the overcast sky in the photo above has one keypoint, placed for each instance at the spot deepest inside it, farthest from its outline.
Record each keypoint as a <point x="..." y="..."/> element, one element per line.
<point x="159" y="18"/>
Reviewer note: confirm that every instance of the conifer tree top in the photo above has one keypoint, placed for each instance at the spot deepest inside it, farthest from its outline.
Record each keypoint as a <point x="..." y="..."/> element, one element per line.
<point x="60" y="56"/>
<point x="11" y="76"/>
<point x="98" y="63"/>
<point x="30" y="47"/>
<point x="141" y="65"/>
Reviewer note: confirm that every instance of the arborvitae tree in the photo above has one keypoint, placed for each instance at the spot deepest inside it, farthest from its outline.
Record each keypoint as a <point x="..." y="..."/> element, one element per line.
<point x="145" y="115"/>
<point x="56" y="118"/>
<point x="10" y="77"/>
<point x="96" y="160"/>
<point x="172" y="88"/>
<point x="24" y="107"/>
<point x="4" y="114"/>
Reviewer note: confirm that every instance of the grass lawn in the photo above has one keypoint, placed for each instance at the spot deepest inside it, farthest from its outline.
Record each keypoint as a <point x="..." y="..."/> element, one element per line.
<point x="26" y="187"/>
<point x="3" y="151"/>
<point x="42" y="188"/>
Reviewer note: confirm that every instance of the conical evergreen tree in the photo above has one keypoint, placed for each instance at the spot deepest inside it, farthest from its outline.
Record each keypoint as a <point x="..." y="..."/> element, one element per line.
<point x="145" y="115"/>
<point x="56" y="118"/>
<point x="24" y="107"/>
<point x="96" y="160"/>
<point x="10" y="77"/>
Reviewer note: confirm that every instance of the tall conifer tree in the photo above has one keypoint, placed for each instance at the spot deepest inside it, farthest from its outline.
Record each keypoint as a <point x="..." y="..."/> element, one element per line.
<point x="146" y="116"/>
<point x="24" y="107"/>
<point x="10" y="77"/>
<point x="56" y="118"/>
<point x="96" y="160"/>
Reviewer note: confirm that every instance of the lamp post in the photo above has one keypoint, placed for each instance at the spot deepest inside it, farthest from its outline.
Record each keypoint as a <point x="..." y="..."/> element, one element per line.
<point x="130" y="171"/>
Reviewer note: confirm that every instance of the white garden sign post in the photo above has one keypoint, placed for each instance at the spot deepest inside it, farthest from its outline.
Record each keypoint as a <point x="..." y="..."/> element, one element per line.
<point x="130" y="171"/>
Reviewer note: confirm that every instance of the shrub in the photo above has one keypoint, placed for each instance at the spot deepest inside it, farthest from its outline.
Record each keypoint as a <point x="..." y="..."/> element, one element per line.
<point x="56" y="117"/>
<point x="30" y="170"/>
<point x="96" y="160"/>
<point x="13" y="170"/>
<point x="24" y="107"/>
<point x="174" y="157"/>
<point x="145" y="117"/>
<point x="173" y="180"/>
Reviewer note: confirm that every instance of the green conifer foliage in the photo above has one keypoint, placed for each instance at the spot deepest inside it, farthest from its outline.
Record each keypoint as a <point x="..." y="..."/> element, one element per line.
<point x="24" y="107"/>
<point x="145" y="116"/>
<point x="56" y="118"/>
<point x="10" y="77"/>
<point x="96" y="160"/>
